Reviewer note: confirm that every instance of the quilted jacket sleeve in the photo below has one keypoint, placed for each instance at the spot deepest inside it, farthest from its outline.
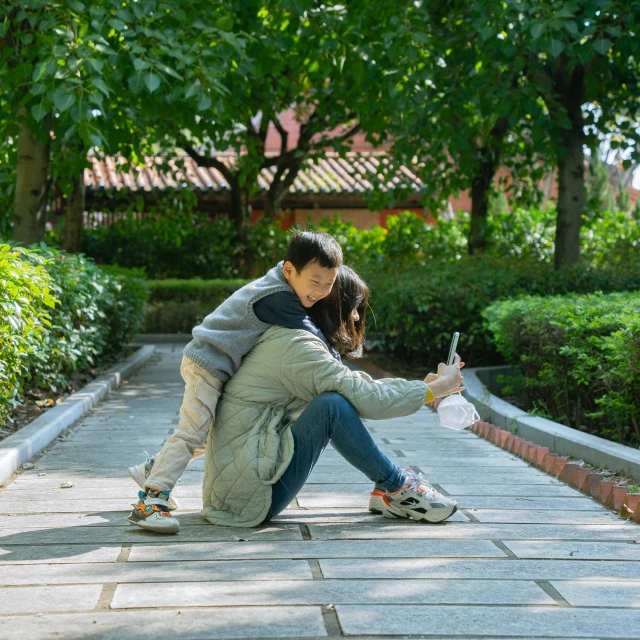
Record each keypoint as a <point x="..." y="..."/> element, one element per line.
<point x="307" y="370"/>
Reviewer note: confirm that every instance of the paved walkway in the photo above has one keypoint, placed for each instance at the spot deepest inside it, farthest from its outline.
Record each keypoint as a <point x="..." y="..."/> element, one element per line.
<point x="527" y="556"/>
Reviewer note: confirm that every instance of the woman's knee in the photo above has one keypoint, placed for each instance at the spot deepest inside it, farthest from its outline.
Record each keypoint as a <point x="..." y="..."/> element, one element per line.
<point x="335" y="403"/>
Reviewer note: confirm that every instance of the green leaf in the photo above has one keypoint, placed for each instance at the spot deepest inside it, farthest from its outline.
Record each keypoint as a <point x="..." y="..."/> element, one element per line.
<point x="136" y="83"/>
<point x="487" y="32"/>
<point x="152" y="81"/>
<point x="100" y="84"/>
<point x="118" y="25"/>
<point x="554" y="47"/>
<point x="63" y="99"/>
<point x="537" y="30"/>
<point x="602" y="45"/>
<point x="204" y="103"/>
<point x="38" y="111"/>
<point x="139" y="64"/>
<point x="96" y="65"/>
<point x="225" y="23"/>
<point x="38" y="73"/>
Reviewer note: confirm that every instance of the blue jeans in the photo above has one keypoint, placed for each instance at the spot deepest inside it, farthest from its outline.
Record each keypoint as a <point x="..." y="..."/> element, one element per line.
<point x="330" y="417"/>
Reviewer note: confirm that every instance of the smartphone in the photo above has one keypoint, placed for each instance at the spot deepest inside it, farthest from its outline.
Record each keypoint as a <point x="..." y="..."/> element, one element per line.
<point x="454" y="346"/>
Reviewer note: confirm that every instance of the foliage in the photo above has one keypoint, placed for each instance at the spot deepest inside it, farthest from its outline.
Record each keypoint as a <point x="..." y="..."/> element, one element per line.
<point x="579" y="357"/>
<point x="176" y="306"/>
<point x="26" y="298"/>
<point x="623" y="199"/>
<point x="66" y="314"/>
<point x="599" y="193"/>
<point x="417" y="308"/>
<point x="170" y="240"/>
<point x="611" y="237"/>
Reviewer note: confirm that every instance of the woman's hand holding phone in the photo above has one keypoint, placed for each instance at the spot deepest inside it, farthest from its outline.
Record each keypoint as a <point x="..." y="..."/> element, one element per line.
<point x="447" y="380"/>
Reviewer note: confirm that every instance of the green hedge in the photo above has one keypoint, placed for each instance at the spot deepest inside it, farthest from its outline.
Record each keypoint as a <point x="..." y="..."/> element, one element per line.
<point x="579" y="358"/>
<point x="416" y="309"/>
<point x="61" y="313"/>
<point x="176" y="306"/>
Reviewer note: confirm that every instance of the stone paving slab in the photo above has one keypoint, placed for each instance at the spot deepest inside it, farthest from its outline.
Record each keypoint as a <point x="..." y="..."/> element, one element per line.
<point x="576" y="550"/>
<point x="462" y="578"/>
<point x="316" y="549"/>
<point x="171" y="624"/>
<point x="548" y="622"/>
<point x="531" y="516"/>
<point x="459" y="568"/>
<point x="139" y="572"/>
<point x="336" y="515"/>
<point x="203" y="594"/>
<point x="54" y="599"/>
<point x="328" y="496"/>
<point x="82" y="505"/>
<point x="598" y="593"/>
<point x="474" y="531"/>
<point x="124" y="534"/>
<point x="58" y="553"/>
<point x="548" y="490"/>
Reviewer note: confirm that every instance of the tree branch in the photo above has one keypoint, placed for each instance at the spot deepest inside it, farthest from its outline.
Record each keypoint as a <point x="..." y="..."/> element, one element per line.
<point x="211" y="163"/>
<point x="284" y="134"/>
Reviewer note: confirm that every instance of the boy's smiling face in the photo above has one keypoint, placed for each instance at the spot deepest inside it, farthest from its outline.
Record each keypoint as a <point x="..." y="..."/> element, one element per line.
<point x="312" y="284"/>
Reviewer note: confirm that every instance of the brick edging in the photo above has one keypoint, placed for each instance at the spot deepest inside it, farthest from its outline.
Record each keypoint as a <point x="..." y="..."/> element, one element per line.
<point x="587" y="481"/>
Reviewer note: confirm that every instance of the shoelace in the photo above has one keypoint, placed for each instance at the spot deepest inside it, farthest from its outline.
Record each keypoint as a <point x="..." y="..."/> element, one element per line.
<point x="419" y="485"/>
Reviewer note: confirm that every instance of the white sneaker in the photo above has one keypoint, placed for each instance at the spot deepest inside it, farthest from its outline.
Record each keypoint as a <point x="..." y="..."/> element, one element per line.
<point x="418" y="500"/>
<point x="376" y="499"/>
<point x="151" y="512"/>
<point x="140" y="472"/>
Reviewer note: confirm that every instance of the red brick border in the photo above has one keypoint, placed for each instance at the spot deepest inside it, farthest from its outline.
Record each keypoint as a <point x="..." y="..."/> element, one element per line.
<point x="585" y="480"/>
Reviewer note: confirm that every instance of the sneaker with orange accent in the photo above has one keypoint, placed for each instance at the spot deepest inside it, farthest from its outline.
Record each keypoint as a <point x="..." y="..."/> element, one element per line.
<point x="376" y="500"/>
<point x="151" y="512"/>
<point x="418" y="500"/>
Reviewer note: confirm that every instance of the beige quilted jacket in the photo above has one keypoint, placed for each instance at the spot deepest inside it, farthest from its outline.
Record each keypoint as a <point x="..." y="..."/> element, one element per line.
<point x="250" y="444"/>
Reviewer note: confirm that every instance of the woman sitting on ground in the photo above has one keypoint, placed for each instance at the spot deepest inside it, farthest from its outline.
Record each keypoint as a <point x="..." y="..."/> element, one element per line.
<point x="291" y="397"/>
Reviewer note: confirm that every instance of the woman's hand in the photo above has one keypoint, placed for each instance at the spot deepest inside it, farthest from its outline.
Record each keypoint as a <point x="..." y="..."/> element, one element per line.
<point x="447" y="380"/>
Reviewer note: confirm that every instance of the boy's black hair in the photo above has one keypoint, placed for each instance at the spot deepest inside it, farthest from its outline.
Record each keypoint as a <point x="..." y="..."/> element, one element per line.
<point x="313" y="246"/>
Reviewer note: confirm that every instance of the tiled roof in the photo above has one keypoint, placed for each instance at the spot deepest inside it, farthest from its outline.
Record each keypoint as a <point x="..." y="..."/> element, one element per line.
<point x="354" y="174"/>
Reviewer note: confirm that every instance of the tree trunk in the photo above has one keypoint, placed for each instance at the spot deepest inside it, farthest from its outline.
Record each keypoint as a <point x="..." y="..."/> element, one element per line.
<point x="480" y="188"/>
<point x="570" y="195"/>
<point x="489" y="161"/>
<point x="74" y="216"/>
<point x="240" y="214"/>
<point x="280" y="187"/>
<point x="32" y="187"/>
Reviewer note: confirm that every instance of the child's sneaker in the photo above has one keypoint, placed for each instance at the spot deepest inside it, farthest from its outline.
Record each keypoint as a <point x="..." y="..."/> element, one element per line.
<point x="418" y="500"/>
<point x="140" y="473"/>
<point x="151" y="512"/>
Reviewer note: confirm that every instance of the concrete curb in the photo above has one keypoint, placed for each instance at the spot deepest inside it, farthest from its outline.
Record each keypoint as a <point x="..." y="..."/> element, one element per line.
<point x="24" y="444"/>
<point x="558" y="438"/>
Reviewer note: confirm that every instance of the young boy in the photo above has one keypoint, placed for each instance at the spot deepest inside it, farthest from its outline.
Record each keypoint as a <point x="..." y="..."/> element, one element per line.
<point x="281" y="297"/>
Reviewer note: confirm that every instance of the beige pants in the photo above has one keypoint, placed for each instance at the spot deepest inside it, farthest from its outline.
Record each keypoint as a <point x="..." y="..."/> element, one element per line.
<point x="197" y="414"/>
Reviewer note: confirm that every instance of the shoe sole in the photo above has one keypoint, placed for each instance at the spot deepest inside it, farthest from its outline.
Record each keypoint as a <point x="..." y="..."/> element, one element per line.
<point x="139" y="479"/>
<point x="175" y="526"/>
<point x="390" y="512"/>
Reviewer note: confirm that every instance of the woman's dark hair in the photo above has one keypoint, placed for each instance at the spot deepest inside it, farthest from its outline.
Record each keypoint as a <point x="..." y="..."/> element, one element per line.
<point x="313" y="246"/>
<point x="334" y="314"/>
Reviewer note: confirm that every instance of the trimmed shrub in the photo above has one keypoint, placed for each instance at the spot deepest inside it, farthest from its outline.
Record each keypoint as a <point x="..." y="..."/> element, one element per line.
<point x="25" y="302"/>
<point x="176" y="306"/>
<point x="579" y="358"/>
<point x="65" y="314"/>
<point x="415" y="310"/>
